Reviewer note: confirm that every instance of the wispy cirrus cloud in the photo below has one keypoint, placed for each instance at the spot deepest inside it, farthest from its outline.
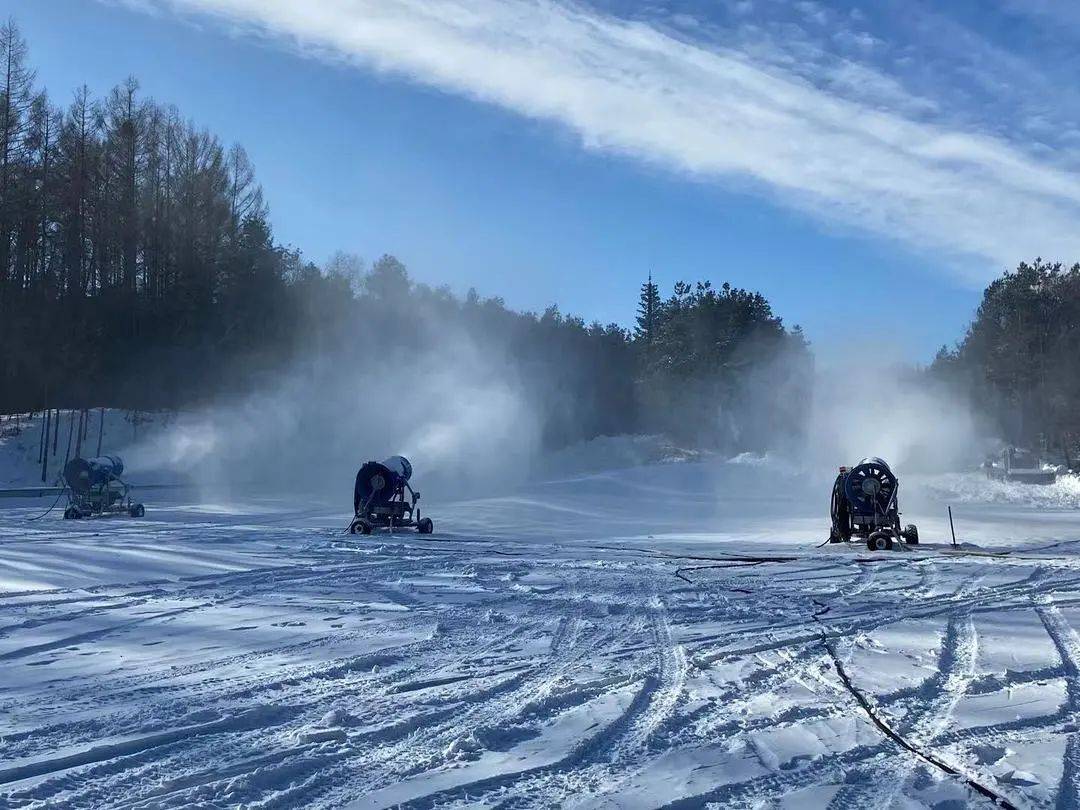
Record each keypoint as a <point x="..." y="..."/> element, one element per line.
<point x="711" y="110"/>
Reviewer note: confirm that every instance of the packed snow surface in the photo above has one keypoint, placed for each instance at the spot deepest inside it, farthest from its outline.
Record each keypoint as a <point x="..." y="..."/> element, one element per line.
<point x="663" y="635"/>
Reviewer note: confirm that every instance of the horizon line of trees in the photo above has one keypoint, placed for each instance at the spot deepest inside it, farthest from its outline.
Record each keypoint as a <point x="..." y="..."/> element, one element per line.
<point x="138" y="269"/>
<point x="1019" y="360"/>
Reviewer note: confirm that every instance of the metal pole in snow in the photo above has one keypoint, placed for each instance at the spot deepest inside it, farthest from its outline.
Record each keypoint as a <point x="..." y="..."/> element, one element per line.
<point x="952" y="528"/>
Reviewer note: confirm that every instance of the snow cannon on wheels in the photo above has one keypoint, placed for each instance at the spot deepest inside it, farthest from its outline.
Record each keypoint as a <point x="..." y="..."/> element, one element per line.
<point x="95" y="487"/>
<point x="379" y="499"/>
<point x="864" y="505"/>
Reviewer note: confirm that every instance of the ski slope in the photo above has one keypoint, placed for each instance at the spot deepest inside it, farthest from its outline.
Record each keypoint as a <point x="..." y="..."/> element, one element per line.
<point x="656" y="636"/>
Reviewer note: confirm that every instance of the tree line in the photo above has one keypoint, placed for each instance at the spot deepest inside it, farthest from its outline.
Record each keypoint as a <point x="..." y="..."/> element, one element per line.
<point x="1019" y="361"/>
<point x="138" y="269"/>
<point x="133" y="246"/>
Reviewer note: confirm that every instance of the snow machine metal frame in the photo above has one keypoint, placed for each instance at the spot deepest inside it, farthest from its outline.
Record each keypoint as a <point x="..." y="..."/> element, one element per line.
<point x="95" y="488"/>
<point x="380" y="500"/>
<point x="864" y="505"/>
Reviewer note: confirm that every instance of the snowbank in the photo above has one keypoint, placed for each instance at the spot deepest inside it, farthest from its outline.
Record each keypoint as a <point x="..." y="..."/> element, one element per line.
<point x="977" y="488"/>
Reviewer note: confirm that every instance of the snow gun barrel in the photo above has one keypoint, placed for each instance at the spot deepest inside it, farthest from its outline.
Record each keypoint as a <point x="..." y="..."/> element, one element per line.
<point x="81" y="474"/>
<point x="870" y="486"/>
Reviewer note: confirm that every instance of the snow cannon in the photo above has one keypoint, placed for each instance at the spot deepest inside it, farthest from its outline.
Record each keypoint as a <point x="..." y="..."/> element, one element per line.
<point x="82" y="474"/>
<point x="95" y="487"/>
<point x="864" y="505"/>
<point x="380" y="499"/>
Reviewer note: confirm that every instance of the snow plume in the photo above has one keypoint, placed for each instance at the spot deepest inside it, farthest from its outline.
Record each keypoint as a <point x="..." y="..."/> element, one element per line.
<point x="913" y="422"/>
<point x="767" y="409"/>
<point x="454" y="410"/>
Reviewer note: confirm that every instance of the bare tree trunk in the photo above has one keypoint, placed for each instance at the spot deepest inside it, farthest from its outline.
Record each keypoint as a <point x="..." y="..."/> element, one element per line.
<point x="41" y="440"/>
<point x="56" y="431"/>
<point x="101" y="431"/>
<point x="71" y="430"/>
<point x="45" y="455"/>
<point x="80" y="433"/>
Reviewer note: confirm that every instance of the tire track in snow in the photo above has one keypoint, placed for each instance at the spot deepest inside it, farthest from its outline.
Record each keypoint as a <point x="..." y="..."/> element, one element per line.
<point x="246" y="747"/>
<point x="885" y="614"/>
<point x="972" y="598"/>
<point x="539" y="696"/>
<point x="180" y="676"/>
<point x="108" y="751"/>
<point x="93" y="635"/>
<point x="266" y="767"/>
<point x="752" y="792"/>
<point x="322" y="774"/>
<point x="623" y="747"/>
<point x="891" y="734"/>
<point x="438" y="733"/>
<point x="927" y="717"/>
<point x="1067" y="644"/>
<point x="306" y="772"/>
<point x="195" y="688"/>
<point x="670" y="675"/>
<point x="88" y="789"/>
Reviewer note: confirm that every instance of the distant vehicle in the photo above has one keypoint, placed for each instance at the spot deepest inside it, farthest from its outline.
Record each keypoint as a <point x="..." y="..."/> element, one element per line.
<point x="1022" y="466"/>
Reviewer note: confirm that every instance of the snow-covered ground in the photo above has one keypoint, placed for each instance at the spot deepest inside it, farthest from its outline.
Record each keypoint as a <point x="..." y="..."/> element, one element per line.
<point x="664" y="635"/>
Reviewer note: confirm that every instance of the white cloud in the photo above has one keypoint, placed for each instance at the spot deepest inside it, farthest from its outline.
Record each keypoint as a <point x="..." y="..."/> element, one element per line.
<point x="1052" y="12"/>
<point x="857" y="40"/>
<point x="864" y="85"/>
<point x="812" y="11"/>
<point x="631" y="89"/>
<point x="145" y="6"/>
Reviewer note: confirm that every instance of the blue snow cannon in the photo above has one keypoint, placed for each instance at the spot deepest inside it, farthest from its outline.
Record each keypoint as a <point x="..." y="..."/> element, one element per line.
<point x="83" y="474"/>
<point x="864" y="505"/>
<point x="95" y="487"/>
<point x="380" y="500"/>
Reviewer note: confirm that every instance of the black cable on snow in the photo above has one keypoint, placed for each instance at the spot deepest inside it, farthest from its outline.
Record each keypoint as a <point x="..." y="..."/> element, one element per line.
<point x="54" y="503"/>
<point x="996" y="798"/>
<point x="735" y="564"/>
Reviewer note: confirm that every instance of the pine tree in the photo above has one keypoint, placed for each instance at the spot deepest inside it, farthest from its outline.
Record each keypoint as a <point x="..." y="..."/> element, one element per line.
<point x="647" y="312"/>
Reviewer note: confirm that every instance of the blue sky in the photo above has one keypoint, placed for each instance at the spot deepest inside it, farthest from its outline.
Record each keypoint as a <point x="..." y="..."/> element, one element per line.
<point x="857" y="164"/>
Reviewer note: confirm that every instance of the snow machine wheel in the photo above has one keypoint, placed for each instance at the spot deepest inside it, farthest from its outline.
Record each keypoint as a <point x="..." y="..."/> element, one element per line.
<point x="910" y="534"/>
<point x="137" y="510"/>
<point x="425" y="526"/>
<point x="879" y="541"/>
<point x="360" y="526"/>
